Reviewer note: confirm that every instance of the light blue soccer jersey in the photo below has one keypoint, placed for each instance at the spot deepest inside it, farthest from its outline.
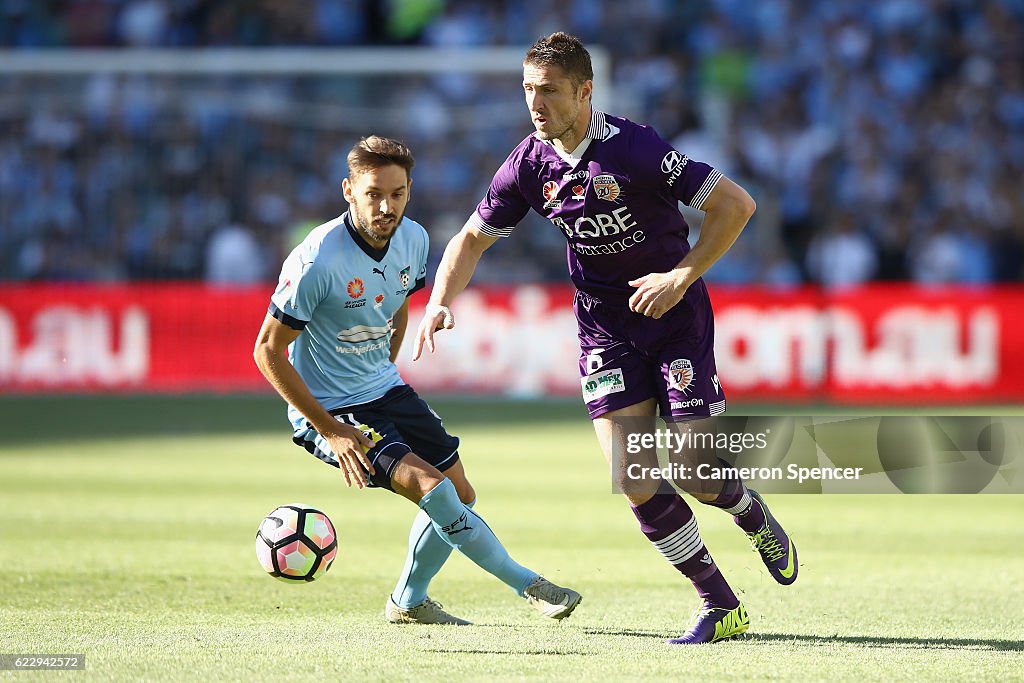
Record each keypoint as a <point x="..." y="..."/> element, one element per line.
<point x="343" y="294"/>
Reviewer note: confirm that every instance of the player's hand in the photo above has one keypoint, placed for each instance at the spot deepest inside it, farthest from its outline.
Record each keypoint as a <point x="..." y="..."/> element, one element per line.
<point x="350" y="446"/>
<point x="657" y="293"/>
<point x="435" y="317"/>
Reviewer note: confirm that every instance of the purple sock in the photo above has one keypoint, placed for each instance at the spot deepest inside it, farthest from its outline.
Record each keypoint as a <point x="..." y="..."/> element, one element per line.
<point x="668" y="522"/>
<point x="735" y="499"/>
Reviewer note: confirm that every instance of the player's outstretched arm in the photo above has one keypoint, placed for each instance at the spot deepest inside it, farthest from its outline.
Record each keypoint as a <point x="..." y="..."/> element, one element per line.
<point x="728" y="209"/>
<point x="453" y="274"/>
<point x="347" y="442"/>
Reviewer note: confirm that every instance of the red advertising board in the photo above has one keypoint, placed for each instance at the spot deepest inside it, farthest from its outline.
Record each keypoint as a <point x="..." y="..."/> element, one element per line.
<point x="875" y="345"/>
<point x="180" y="337"/>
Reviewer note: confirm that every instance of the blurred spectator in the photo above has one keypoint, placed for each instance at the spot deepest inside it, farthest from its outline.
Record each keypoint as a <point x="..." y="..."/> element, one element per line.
<point x="904" y="119"/>
<point x="234" y="257"/>
<point x="842" y="256"/>
<point x="777" y="270"/>
<point x="935" y="257"/>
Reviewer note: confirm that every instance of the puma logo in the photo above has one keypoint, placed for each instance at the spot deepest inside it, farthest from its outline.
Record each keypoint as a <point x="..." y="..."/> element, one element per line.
<point x="458" y="526"/>
<point x="381" y="272"/>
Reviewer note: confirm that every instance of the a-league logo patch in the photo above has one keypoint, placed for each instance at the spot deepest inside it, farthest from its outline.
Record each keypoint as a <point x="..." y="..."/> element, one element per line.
<point x="606" y="188"/>
<point x="355" y="288"/>
<point x="550" y="192"/>
<point x="680" y="374"/>
<point x="403" y="277"/>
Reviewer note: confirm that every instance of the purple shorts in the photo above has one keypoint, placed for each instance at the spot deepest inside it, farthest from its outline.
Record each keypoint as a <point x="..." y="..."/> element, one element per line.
<point x="626" y="358"/>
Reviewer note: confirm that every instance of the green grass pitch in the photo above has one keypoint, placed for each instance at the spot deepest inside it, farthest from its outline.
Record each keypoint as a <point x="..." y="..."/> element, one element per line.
<point x="131" y="540"/>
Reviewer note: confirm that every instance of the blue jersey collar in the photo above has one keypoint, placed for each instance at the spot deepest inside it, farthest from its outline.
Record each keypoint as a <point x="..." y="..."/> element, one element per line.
<point x="374" y="253"/>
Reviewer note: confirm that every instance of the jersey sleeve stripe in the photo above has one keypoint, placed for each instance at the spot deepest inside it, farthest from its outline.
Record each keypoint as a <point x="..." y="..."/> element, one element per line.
<point x="291" y="322"/>
<point x="478" y="223"/>
<point x="706" y="188"/>
<point x="420" y="284"/>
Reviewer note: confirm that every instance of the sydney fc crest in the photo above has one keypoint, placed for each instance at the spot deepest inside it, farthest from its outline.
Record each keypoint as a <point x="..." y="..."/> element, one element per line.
<point x="606" y="188"/>
<point x="680" y="374"/>
<point x="403" y="277"/>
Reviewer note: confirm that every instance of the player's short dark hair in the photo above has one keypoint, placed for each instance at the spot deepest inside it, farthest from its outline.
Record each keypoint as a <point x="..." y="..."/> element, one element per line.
<point x="564" y="51"/>
<point x="375" y="152"/>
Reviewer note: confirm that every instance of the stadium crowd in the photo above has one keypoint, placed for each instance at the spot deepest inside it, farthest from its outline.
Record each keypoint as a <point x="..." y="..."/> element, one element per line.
<point x="883" y="141"/>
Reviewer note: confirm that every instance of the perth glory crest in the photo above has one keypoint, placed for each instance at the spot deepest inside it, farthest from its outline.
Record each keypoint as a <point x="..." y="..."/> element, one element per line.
<point x="606" y="188"/>
<point x="680" y="374"/>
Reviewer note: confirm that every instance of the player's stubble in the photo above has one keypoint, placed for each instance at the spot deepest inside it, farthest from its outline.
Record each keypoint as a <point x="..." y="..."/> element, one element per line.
<point x="372" y="228"/>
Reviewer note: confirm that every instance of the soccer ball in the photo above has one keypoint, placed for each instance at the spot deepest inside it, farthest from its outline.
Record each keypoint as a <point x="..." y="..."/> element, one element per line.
<point x="296" y="543"/>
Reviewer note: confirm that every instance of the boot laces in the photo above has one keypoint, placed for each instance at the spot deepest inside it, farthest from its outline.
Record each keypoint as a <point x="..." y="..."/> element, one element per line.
<point x="765" y="542"/>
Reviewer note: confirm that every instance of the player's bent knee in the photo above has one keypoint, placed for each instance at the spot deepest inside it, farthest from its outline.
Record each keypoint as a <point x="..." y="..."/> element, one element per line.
<point x="462" y="486"/>
<point x="413" y="477"/>
<point x="638" y="494"/>
<point x="637" y="498"/>
<point x="466" y="492"/>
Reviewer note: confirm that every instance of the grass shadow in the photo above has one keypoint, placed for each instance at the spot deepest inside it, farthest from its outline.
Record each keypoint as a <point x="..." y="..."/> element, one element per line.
<point x="863" y="641"/>
<point x="632" y="632"/>
<point x="510" y="651"/>
<point x="895" y="642"/>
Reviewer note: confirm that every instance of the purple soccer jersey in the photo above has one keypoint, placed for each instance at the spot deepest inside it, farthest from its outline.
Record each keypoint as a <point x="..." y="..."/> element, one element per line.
<point x="616" y="203"/>
<point x="615" y="199"/>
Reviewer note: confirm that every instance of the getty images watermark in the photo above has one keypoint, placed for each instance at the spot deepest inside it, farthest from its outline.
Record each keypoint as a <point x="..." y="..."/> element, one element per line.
<point x="680" y="440"/>
<point x="864" y="454"/>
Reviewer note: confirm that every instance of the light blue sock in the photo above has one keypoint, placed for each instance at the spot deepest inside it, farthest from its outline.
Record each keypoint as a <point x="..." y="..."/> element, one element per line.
<point x="427" y="554"/>
<point x="467" y="532"/>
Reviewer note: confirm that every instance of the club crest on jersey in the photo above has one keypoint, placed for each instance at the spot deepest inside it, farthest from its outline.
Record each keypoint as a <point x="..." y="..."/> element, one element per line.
<point x="355" y="288"/>
<point x="606" y="188"/>
<point x="403" y="277"/>
<point x="680" y="374"/>
<point x="550" y="192"/>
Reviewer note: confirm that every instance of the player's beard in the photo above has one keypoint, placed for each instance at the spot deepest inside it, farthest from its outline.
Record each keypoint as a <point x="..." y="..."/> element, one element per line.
<point x="378" y="234"/>
<point x="570" y="121"/>
<point x="557" y="135"/>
